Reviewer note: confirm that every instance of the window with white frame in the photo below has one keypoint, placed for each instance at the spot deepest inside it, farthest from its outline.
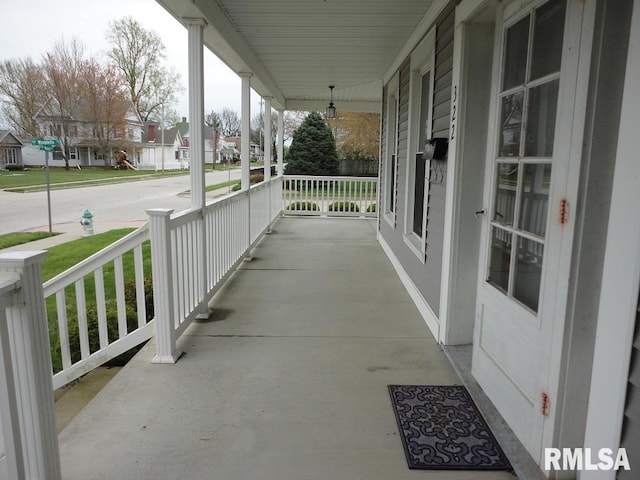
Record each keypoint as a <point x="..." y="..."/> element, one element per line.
<point x="391" y="166"/>
<point x="73" y="153"/>
<point x="9" y="156"/>
<point x="420" y="114"/>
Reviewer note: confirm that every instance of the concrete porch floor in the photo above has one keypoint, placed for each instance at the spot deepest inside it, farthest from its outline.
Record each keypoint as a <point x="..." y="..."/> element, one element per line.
<point x="287" y="380"/>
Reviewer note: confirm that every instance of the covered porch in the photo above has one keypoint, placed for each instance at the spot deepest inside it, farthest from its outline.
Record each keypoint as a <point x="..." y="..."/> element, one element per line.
<point x="287" y="379"/>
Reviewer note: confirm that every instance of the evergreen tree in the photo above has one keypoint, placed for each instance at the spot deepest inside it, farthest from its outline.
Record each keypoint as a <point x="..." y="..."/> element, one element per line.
<point x="313" y="149"/>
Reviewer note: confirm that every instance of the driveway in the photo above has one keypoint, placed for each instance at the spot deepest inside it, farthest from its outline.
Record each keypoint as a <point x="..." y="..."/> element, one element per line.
<point x="122" y="202"/>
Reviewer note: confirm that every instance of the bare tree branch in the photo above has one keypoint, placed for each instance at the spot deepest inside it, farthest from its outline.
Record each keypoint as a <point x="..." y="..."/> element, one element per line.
<point x="139" y="54"/>
<point x="21" y="94"/>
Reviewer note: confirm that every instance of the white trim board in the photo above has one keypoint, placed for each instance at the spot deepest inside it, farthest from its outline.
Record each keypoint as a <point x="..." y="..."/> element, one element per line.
<point x="621" y="276"/>
<point x="423" y="307"/>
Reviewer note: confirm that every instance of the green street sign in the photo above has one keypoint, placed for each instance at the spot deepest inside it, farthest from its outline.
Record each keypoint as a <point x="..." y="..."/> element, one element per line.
<point x="46" y="148"/>
<point x="45" y="143"/>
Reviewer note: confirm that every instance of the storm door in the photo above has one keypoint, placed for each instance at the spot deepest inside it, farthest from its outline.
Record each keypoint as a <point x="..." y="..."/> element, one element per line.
<point x="510" y="345"/>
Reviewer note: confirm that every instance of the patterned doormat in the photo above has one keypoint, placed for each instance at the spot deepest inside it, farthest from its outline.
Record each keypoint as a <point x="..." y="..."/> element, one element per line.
<point x="442" y="429"/>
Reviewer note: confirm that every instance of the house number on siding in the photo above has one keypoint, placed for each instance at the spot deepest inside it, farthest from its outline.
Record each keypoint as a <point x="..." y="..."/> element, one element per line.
<point x="454" y="107"/>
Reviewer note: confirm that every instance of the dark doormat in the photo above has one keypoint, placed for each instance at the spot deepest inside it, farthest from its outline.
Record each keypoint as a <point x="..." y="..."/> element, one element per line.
<point x="442" y="429"/>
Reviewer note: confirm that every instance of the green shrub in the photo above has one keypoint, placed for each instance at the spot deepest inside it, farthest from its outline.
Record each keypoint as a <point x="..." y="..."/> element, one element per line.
<point x="112" y="325"/>
<point x="256" y="178"/>
<point x="305" y="206"/>
<point x="371" y="208"/>
<point x="343" y="207"/>
<point x="131" y="301"/>
<point x="14" y="168"/>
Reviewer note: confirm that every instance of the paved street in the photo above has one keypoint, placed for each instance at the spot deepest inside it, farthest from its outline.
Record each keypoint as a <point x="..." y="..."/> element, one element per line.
<point x="123" y="202"/>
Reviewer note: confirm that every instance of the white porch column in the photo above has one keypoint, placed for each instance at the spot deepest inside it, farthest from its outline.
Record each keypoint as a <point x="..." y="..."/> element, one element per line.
<point x="267" y="152"/>
<point x="195" y="27"/>
<point x="267" y="139"/>
<point x="245" y="130"/>
<point x="163" y="288"/>
<point x="245" y="154"/>
<point x="26" y="335"/>
<point x="280" y="142"/>
<point x="196" y="111"/>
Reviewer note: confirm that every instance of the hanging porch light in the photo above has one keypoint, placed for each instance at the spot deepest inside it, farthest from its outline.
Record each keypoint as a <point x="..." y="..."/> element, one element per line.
<point x="331" y="109"/>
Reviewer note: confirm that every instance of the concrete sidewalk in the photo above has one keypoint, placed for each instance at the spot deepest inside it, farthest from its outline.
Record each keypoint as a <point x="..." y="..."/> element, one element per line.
<point x="287" y="380"/>
<point x="66" y="233"/>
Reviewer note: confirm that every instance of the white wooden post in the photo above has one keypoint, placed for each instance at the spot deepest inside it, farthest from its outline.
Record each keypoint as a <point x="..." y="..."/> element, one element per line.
<point x="163" y="288"/>
<point x="245" y="131"/>
<point x="9" y="285"/>
<point x="267" y="139"/>
<point x="25" y="341"/>
<point x="267" y="154"/>
<point x="196" y="147"/>
<point x="196" y="110"/>
<point x="280" y="142"/>
<point x="245" y="152"/>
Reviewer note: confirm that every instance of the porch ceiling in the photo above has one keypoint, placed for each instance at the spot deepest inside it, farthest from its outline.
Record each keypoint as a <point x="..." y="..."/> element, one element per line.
<point x="296" y="49"/>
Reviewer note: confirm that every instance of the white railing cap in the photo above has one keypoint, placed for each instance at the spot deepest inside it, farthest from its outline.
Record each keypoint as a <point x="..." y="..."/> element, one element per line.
<point x="21" y="259"/>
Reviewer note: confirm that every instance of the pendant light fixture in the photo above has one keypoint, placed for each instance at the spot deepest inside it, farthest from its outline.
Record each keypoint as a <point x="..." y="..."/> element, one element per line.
<point x="331" y="110"/>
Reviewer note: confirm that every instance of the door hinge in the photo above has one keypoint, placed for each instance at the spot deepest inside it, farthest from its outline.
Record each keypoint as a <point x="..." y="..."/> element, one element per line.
<point x="563" y="214"/>
<point x="545" y="404"/>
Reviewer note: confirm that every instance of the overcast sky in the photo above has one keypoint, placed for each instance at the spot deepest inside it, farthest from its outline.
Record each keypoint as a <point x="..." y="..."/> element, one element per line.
<point x="31" y="27"/>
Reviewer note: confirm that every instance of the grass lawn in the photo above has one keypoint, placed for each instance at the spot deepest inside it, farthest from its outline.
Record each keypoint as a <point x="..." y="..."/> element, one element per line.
<point x="218" y="186"/>
<point x="317" y="189"/>
<point x="62" y="257"/>
<point x="12" y="239"/>
<point x="36" y="179"/>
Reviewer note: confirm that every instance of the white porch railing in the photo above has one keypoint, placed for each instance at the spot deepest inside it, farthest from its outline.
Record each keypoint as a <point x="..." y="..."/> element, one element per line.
<point x="90" y="273"/>
<point x="197" y="249"/>
<point x="330" y="196"/>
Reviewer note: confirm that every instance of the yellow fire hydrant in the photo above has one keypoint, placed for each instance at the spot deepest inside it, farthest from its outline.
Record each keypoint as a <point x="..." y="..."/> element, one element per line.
<point x="87" y="223"/>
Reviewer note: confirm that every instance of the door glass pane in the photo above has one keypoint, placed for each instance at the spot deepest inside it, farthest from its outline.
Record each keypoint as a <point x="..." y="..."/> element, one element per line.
<point x="500" y="258"/>
<point x="547" y="39"/>
<point x="418" y="195"/>
<point x="423" y="135"/>
<point x="510" y="125"/>
<point x="535" y="198"/>
<point x="515" y="57"/>
<point x="541" y="120"/>
<point x="526" y="287"/>
<point x="505" y="201"/>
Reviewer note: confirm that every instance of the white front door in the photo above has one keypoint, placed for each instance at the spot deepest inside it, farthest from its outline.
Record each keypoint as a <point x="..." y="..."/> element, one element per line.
<point x="512" y="335"/>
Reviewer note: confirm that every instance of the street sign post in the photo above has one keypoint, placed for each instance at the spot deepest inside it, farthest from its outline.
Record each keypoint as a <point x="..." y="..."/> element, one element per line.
<point x="46" y="162"/>
<point x="47" y="146"/>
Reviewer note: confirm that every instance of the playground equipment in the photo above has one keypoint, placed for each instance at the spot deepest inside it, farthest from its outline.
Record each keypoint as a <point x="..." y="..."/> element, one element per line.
<point x="122" y="162"/>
